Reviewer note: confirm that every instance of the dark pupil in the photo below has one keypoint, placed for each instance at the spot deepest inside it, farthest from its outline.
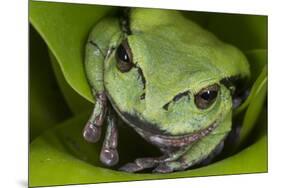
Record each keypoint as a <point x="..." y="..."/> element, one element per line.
<point x="209" y="95"/>
<point x="122" y="54"/>
<point x="123" y="57"/>
<point x="206" y="96"/>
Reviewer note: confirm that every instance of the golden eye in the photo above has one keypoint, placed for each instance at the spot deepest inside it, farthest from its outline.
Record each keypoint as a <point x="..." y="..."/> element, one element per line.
<point x="207" y="96"/>
<point x="124" y="57"/>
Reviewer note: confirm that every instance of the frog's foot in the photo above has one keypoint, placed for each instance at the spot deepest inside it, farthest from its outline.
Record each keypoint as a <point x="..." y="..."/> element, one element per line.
<point x="158" y="165"/>
<point x="150" y="162"/>
<point x="140" y="164"/>
<point x="178" y="165"/>
<point x="163" y="168"/>
<point x="92" y="130"/>
<point x="186" y="161"/>
<point x="171" y="167"/>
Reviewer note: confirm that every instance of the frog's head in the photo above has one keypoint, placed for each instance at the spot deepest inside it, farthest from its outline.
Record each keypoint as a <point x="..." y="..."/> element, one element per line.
<point x="166" y="78"/>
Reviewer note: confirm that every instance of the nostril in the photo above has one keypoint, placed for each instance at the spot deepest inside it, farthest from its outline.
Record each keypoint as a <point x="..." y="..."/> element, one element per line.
<point x="166" y="106"/>
<point x="142" y="78"/>
<point x="142" y="97"/>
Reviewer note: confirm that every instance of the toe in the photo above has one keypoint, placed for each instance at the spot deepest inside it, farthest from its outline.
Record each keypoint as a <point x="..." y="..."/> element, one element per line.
<point x="130" y="167"/>
<point x="163" y="168"/>
<point x="145" y="162"/>
<point x="109" y="156"/>
<point x="91" y="133"/>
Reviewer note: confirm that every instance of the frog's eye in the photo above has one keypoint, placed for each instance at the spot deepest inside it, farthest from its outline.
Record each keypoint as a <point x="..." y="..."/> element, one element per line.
<point x="124" y="57"/>
<point x="207" y="96"/>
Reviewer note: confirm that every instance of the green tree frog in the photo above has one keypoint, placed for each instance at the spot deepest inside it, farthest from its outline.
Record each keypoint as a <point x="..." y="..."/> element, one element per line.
<point x="169" y="79"/>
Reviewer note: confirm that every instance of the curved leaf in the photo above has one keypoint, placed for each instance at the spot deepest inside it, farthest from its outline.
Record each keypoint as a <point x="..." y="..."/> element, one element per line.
<point x="255" y="106"/>
<point x="258" y="64"/>
<point x="47" y="106"/>
<point x="247" y="32"/>
<point x="76" y="103"/>
<point x="61" y="156"/>
<point x="64" y="28"/>
<point x="257" y="59"/>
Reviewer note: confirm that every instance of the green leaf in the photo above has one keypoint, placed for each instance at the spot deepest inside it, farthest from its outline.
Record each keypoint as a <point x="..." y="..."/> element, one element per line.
<point x="47" y="106"/>
<point x="61" y="156"/>
<point x="201" y="18"/>
<point x="64" y="27"/>
<point x="76" y="103"/>
<point x="247" y="32"/>
<point x="257" y="59"/>
<point x="256" y="105"/>
<point x="258" y="63"/>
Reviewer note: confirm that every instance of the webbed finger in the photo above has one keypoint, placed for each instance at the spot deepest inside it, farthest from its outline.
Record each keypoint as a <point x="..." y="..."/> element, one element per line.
<point x="92" y="130"/>
<point x="109" y="154"/>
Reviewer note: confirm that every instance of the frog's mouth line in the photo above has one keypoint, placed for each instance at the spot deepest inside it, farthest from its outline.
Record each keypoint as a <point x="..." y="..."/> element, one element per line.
<point x="162" y="139"/>
<point x="182" y="140"/>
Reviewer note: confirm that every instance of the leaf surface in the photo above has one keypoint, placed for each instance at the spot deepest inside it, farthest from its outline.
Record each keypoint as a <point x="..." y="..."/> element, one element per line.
<point x="61" y="156"/>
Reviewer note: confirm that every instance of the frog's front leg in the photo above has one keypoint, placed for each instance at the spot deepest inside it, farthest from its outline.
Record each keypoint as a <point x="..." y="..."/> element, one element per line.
<point x="92" y="130"/>
<point x="94" y="69"/>
<point x="97" y="48"/>
<point x="150" y="162"/>
<point x="109" y="155"/>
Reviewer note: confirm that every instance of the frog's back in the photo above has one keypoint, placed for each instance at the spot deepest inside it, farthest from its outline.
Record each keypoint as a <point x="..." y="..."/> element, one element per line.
<point x="169" y="29"/>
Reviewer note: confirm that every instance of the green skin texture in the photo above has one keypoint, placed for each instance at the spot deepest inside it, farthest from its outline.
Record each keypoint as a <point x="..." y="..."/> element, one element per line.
<point x="175" y="56"/>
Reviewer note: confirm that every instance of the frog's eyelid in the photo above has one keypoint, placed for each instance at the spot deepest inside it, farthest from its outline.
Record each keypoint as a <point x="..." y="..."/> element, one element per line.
<point x="180" y="95"/>
<point x="96" y="46"/>
<point x="176" y="98"/>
